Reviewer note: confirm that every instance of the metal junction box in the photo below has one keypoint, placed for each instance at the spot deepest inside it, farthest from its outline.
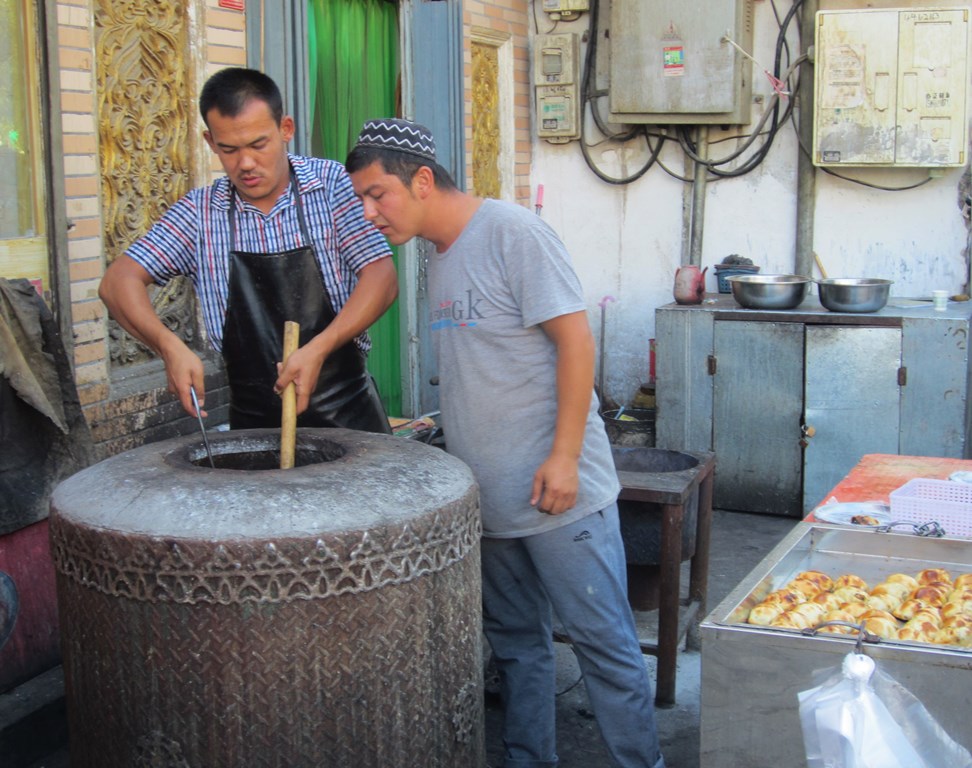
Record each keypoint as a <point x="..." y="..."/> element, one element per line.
<point x="671" y="61"/>
<point x="891" y="87"/>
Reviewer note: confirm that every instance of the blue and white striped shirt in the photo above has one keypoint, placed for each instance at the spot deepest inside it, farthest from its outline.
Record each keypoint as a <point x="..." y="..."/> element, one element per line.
<point x="192" y="237"/>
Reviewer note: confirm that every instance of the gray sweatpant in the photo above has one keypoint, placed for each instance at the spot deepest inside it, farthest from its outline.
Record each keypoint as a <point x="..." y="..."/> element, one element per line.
<point x="577" y="571"/>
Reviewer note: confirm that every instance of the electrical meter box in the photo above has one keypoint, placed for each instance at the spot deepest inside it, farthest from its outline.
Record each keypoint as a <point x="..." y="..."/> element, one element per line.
<point x="566" y="6"/>
<point x="555" y="77"/>
<point x="891" y="87"/>
<point x="673" y="61"/>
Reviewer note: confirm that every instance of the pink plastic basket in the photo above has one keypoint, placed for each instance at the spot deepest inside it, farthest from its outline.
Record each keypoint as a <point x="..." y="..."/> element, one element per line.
<point x="922" y="500"/>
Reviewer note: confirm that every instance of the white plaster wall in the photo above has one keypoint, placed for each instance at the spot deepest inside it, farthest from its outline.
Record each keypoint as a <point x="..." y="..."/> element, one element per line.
<point x="627" y="241"/>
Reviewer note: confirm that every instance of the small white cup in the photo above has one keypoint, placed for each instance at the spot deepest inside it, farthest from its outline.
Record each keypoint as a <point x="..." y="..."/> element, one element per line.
<point x="941" y="300"/>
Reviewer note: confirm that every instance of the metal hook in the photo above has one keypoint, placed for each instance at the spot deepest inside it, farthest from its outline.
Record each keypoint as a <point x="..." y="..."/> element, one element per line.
<point x="931" y="528"/>
<point x="863" y="636"/>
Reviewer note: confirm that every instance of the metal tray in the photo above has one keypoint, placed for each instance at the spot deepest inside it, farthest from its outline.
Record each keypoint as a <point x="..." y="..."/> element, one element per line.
<point x="751" y="675"/>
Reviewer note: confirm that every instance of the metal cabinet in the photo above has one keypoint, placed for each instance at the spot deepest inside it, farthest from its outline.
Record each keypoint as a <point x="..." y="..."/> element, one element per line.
<point x="789" y="401"/>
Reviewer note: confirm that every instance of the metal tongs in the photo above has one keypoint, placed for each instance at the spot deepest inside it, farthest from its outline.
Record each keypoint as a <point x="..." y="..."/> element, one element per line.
<point x="195" y="404"/>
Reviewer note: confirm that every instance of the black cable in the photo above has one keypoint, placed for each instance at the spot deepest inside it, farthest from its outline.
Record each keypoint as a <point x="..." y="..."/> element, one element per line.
<point x="587" y="92"/>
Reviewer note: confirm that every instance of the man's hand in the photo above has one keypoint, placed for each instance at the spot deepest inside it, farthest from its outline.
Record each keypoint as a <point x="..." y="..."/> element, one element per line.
<point x="303" y="368"/>
<point x="555" y="485"/>
<point x="124" y="290"/>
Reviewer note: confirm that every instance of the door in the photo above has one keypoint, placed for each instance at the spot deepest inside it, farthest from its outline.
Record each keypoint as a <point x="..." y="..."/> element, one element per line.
<point x="851" y="402"/>
<point x="24" y="248"/>
<point x="756" y="411"/>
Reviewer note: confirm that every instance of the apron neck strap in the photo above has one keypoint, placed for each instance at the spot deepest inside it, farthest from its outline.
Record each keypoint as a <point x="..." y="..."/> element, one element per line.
<point x="300" y="212"/>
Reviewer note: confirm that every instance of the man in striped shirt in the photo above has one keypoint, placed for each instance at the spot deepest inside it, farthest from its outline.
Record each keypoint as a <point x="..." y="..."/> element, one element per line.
<point x="280" y="237"/>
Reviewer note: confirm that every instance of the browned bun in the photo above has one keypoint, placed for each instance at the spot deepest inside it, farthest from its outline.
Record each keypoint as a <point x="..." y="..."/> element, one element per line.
<point x="839" y="615"/>
<point x="805" y="586"/>
<point x="822" y="580"/>
<point x="962" y="580"/>
<point x="907" y="610"/>
<point x="786" y="597"/>
<point x="881" y="626"/>
<point x="885" y="602"/>
<point x="851" y="595"/>
<point x="952" y="609"/>
<point x="903" y="578"/>
<point x="850" y="580"/>
<point x="764" y="613"/>
<point x="828" y="600"/>
<point x="919" y="632"/>
<point x="930" y="575"/>
<point x="857" y="610"/>
<point x="933" y="594"/>
<point x="891" y="588"/>
<point x="955" y="635"/>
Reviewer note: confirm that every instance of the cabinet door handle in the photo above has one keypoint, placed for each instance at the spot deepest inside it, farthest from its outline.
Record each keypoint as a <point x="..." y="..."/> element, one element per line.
<point x="711" y="363"/>
<point x="902" y="376"/>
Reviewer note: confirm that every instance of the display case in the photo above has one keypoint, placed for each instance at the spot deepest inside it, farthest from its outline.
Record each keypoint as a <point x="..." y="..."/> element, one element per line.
<point x="751" y="675"/>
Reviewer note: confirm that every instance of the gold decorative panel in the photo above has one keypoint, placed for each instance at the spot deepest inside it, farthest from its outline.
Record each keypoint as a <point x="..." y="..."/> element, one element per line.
<point x="485" y="120"/>
<point x="145" y="113"/>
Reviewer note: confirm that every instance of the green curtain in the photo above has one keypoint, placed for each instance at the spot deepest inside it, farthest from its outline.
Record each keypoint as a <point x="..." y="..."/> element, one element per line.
<point x="354" y="65"/>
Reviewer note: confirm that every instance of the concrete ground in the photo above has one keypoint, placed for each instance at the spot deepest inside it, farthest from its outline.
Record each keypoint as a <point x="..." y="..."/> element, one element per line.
<point x="739" y="542"/>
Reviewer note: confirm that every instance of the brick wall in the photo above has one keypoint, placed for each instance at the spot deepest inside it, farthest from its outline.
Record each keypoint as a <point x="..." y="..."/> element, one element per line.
<point x="510" y="17"/>
<point x="135" y="408"/>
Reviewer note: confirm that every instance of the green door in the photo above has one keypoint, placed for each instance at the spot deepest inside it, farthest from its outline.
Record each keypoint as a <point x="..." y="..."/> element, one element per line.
<point x="353" y="58"/>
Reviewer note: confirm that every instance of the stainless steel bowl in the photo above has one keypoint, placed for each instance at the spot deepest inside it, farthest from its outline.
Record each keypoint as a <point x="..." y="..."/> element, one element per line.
<point x="853" y="294"/>
<point x="769" y="291"/>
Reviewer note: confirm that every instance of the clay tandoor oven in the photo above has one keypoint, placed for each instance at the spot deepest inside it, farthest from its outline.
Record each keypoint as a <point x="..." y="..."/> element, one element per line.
<point x="250" y="616"/>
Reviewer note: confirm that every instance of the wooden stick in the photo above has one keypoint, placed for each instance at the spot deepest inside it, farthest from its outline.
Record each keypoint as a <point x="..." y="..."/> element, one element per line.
<point x="288" y="418"/>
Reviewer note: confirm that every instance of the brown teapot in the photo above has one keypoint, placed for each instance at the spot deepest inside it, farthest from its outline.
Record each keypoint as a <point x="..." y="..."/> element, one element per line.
<point x="689" y="284"/>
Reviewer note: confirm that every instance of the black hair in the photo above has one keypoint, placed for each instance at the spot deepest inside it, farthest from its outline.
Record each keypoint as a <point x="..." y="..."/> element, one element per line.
<point x="231" y="89"/>
<point x="399" y="164"/>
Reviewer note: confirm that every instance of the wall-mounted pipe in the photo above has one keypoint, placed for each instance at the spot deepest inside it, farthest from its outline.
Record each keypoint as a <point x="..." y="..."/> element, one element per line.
<point x="806" y="173"/>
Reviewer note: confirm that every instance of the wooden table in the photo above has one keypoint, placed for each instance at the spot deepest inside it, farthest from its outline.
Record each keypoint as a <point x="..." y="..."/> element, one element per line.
<point x="877" y="474"/>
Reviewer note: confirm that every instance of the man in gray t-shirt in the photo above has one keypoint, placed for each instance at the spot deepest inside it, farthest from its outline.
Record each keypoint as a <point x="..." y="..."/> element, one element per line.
<point x="516" y="371"/>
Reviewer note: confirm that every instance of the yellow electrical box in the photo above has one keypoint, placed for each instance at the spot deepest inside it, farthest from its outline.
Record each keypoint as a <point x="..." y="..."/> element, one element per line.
<point x="891" y="87"/>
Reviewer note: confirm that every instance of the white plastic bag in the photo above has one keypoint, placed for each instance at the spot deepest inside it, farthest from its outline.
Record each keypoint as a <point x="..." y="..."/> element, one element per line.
<point x="862" y="718"/>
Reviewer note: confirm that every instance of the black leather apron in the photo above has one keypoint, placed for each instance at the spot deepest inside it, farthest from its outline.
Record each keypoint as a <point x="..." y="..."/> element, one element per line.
<point x="265" y="290"/>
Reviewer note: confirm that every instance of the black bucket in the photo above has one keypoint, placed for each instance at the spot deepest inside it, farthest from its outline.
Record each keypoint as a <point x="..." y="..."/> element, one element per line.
<point x="630" y="427"/>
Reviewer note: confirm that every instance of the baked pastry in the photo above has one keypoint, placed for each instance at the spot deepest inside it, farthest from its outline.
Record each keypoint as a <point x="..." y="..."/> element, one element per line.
<point x="882" y="626"/>
<point x="960" y="593"/>
<point x="822" y="580"/>
<point x="892" y="588"/>
<point x="909" y="608"/>
<point x="864" y="520"/>
<point x="839" y="629"/>
<point x="786" y="597"/>
<point x="957" y="621"/>
<point x="807" y="587"/>
<point x="963" y="580"/>
<point x="792" y="620"/>
<point x="850" y="580"/>
<point x="851" y="595"/>
<point x="952" y="609"/>
<point x="919" y="632"/>
<point x="857" y="610"/>
<point x="814" y="612"/>
<point x="765" y="613"/>
<point x="928" y="613"/>
<point x="828" y="600"/>
<point x="886" y="601"/>
<point x="934" y="594"/>
<point x="956" y="635"/>
<point x="930" y="575"/>
<point x="903" y="578"/>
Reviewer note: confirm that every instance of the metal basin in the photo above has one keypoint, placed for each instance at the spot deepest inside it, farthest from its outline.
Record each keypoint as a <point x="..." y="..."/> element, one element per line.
<point x="769" y="291"/>
<point x="853" y="294"/>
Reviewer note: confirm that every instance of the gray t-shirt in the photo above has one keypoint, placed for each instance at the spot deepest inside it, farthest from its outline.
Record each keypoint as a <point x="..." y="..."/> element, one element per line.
<point x="488" y="293"/>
